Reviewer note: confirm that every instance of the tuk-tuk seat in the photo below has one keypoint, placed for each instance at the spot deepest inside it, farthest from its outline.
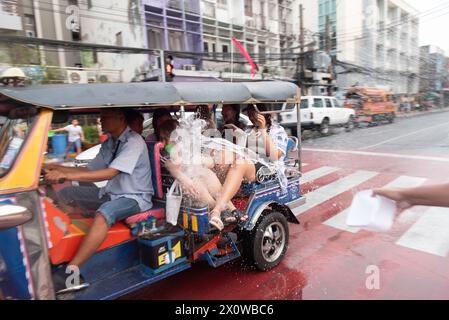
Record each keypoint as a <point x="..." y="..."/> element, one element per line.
<point x="158" y="211"/>
<point x="154" y="151"/>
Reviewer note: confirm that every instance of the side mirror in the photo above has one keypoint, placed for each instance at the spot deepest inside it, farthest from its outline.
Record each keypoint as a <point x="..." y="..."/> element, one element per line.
<point x="12" y="216"/>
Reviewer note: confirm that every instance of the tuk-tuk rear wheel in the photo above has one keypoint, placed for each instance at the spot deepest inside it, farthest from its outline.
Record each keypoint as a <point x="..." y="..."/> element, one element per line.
<point x="268" y="242"/>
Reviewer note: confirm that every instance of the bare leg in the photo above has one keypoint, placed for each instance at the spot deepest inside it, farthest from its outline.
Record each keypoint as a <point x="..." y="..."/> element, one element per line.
<point x="237" y="173"/>
<point x="215" y="189"/>
<point x="94" y="238"/>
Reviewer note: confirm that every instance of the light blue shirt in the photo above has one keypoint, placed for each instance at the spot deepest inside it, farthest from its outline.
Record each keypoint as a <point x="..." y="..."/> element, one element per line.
<point x="133" y="162"/>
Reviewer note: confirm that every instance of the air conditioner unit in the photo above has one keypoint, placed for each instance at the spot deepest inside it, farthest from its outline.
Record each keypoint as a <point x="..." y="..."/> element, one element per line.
<point x="190" y="67"/>
<point x="77" y="76"/>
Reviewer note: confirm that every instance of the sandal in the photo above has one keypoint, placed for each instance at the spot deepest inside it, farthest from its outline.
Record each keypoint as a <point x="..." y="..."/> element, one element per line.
<point x="217" y="223"/>
<point x="235" y="216"/>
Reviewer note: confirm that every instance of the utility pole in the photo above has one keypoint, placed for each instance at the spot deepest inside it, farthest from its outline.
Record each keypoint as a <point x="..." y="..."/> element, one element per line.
<point x="300" y="68"/>
<point x="328" y="46"/>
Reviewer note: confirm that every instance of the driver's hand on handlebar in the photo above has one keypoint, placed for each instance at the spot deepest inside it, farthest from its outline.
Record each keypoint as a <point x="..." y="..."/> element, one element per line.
<point x="55" y="176"/>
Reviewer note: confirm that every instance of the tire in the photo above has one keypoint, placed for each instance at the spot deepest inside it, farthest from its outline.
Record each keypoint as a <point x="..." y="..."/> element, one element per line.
<point x="324" y="128"/>
<point x="350" y="125"/>
<point x="265" y="249"/>
<point x="391" y="118"/>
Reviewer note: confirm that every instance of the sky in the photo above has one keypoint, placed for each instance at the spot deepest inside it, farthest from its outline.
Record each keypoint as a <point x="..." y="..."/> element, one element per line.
<point x="434" y="22"/>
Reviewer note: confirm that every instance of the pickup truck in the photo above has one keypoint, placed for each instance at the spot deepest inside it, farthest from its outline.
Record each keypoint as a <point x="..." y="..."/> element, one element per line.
<point x="319" y="113"/>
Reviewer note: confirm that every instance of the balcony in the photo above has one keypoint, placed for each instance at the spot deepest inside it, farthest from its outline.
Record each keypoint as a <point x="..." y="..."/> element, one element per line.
<point x="286" y="28"/>
<point x="261" y="22"/>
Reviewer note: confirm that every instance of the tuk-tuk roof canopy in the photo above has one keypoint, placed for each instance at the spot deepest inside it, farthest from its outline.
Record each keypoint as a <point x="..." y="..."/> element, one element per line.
<point x="76" y="96"/>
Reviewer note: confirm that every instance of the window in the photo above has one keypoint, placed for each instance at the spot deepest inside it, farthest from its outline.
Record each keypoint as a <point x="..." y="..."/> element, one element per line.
<point x="249" y="8"/>
<point x="89" y="4"/>
<point x="318" y="103"/>
<point x="206" y="47"/>
<point x="175" y="41"/>
<point x="225" y="48"/>
<point x="304" y="103"/>
<point x="155" y="40"/>
<point x="328" y="103"/>
<point x="222" y="3"/>
<point x="337" y="103"/>
<point x="119" y="39"/>
<point x="29" y="20"/>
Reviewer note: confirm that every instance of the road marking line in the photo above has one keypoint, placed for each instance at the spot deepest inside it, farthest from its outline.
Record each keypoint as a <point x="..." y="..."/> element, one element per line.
<point x="331" y="190"/>
<point x="317" y="173"/>
<point x="429" y="234"/>
<point x="377" y="154"/>
<point x="404" y="136"/>
<point x="339" y="220"/>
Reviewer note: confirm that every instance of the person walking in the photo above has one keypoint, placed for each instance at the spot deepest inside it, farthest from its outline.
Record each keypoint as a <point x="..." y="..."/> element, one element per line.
<point x="76" y="136"/>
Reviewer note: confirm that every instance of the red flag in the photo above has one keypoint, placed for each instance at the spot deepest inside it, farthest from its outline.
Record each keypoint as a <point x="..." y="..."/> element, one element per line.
<point x="254" y="67"/>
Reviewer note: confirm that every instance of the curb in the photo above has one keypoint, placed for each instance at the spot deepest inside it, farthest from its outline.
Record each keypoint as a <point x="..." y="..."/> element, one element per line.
<point x="420" y="113"/>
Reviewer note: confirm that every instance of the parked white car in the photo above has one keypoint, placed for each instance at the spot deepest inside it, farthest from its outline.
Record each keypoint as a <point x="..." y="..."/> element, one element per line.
<point x="319" y="113"/>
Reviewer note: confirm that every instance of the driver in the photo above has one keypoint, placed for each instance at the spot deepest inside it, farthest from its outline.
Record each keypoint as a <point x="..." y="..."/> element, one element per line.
<point x="123" y="160"/>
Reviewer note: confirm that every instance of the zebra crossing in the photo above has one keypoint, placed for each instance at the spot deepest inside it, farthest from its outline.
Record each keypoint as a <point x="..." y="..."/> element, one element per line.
<point x="425" y="229"/>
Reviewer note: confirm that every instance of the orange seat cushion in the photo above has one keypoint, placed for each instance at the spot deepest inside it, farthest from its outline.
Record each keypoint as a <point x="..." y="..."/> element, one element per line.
<point x="66" y="248"/>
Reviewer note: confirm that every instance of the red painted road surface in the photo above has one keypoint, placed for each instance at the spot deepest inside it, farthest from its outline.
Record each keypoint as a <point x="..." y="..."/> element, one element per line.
<point x="328" y="260"/>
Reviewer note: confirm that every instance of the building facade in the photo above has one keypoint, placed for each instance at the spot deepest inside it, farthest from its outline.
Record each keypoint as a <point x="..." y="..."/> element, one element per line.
<point x="175" y="25"/>
<point x="373" y="42"/>
<point x="433" y="69"/>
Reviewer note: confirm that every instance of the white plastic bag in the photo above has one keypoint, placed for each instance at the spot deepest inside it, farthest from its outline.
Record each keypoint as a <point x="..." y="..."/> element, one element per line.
<point x="173" y="205"/>
<point x="374" y="214"/>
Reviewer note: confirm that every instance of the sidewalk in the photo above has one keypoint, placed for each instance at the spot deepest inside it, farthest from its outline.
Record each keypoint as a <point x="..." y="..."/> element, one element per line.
<point x="420" y="113"/>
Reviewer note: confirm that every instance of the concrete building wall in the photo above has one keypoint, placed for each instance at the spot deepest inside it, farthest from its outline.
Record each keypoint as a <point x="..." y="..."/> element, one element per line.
<point x="118" y="23"/>
<point x="381" y="36"/>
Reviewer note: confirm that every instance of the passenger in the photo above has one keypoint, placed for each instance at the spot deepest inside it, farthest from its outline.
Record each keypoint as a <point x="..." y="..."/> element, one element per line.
<point x="204" y="186"/>
<point x="274" y="141"/>
<point x="203" y="112"/>
<point x="272" y="136"/>
<point x="231" y="117"/>
<point x="135" y="121"/>
<point x="159" y="116"/>
<point x="123" y="160"/>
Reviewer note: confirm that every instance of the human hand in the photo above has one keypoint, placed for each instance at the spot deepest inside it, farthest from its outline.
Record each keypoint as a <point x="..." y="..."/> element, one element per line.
<point x="55" y="176"/>
<point x="49" y="166"/>
<point x="189" y="188"/>
<point x="261" y="123"/>
<point x="395" y="195"/>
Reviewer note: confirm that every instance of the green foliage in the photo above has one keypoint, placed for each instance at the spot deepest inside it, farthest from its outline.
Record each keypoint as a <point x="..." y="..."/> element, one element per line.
<point x="90" y="134"/>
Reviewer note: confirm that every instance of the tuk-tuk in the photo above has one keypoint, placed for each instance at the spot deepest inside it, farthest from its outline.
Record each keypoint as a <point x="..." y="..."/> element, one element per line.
<point x="36" y="235"/>
<point x="371" y="105"/>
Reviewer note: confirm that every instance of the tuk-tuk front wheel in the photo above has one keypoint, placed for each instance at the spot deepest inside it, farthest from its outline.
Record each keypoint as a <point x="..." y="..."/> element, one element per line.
<point x="268" y="242"/>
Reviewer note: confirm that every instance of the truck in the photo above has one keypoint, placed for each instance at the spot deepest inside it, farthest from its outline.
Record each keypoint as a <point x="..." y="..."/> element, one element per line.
<point x="319" y="113"/>
<point x="371" y="105"/>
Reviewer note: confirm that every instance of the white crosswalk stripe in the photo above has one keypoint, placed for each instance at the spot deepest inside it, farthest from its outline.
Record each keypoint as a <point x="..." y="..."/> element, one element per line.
<point x="317" y="173"/>
<point x="429" y="234"/>
<point x="333" y="189"/>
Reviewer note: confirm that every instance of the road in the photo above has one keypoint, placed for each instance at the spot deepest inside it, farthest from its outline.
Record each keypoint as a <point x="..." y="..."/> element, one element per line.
<point x="328" y="260"/>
